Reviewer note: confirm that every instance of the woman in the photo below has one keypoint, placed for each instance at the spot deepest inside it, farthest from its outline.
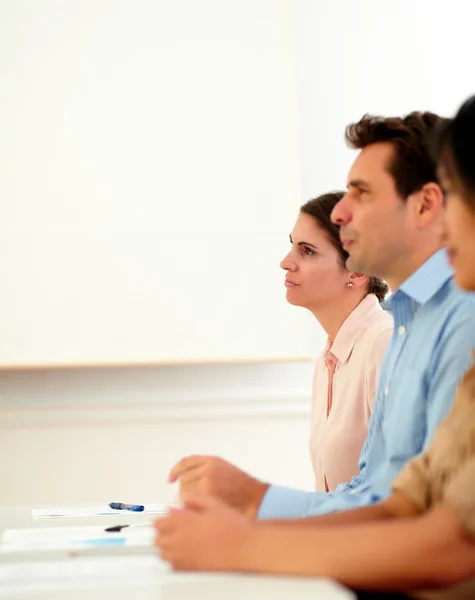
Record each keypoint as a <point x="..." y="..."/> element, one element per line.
<point x="423" y="536"/>
<point x="347" y="306"/>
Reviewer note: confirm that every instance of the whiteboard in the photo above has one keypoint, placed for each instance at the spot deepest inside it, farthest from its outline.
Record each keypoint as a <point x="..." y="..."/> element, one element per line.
<point x="150" y="177"/>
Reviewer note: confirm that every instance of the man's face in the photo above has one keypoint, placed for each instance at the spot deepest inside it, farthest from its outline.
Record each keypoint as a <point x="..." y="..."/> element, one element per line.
<point x="375" y="223"/>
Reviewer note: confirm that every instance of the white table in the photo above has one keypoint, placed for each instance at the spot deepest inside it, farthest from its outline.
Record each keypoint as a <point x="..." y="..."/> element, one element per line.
<point x="122" y="574"/>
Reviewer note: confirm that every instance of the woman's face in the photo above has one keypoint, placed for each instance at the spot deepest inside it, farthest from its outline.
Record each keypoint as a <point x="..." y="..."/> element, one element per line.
<point x="315" y="277"/>
<point x="459" y="233"/>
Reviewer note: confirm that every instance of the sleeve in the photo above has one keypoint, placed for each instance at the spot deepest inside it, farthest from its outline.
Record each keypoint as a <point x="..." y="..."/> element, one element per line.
<point x="414" y="481"/>
<point x="460" y="496"/>
<point x="288" y="503"/>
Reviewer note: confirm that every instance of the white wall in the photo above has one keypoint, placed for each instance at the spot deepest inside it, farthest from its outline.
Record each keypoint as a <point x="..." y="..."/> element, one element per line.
<point x="379" y="57"/>
<point x="94" y="435"/>
<point x="150" y="179"/>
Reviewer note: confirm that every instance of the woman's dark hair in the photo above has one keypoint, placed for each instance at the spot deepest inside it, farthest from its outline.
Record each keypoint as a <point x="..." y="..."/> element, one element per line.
<point x="320" y="209"/>
<point x="454" y="149"/>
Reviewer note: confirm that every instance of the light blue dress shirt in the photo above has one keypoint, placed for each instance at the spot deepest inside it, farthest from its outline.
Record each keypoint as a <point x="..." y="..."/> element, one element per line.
<point x="434" y="334"/>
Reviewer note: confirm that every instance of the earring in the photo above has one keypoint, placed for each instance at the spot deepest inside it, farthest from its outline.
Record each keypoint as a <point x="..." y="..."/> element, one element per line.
<point x="349" y="285"/>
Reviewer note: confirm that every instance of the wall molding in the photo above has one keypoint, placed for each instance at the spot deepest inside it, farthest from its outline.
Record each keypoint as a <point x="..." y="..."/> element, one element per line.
<point x="61" y="414"/>
<point x="156" y="394"/>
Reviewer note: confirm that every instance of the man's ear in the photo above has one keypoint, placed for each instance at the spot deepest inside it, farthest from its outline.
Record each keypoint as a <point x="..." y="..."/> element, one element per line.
<point x="428" y="203"/>
<point x="358" y="279"/>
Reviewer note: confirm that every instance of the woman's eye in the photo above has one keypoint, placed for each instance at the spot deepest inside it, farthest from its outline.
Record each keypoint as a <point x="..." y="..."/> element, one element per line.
<point x="308" y="251"/>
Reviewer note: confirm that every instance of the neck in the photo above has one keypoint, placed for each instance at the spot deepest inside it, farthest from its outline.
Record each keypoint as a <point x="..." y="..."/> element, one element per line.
<point x="331" y="318"/>
<point x="409" y="265"/>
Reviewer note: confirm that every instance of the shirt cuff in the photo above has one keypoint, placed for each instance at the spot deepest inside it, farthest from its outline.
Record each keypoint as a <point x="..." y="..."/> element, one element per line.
<point x="283" y="503"/>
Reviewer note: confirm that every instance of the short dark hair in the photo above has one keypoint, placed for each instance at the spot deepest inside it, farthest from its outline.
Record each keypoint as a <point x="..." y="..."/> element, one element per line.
<point x="320" y="209"/>
<point x="413" y="164"/>
<point x="454" y="149"/>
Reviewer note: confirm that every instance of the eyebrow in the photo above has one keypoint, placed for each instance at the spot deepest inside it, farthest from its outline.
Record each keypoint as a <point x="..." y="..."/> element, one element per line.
<point x="303" y="243"/>
<point x="358" y="183"/>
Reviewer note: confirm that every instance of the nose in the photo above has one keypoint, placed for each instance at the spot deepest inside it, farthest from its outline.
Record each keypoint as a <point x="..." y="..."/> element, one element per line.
<point x="288" y="264"/>
<point x="340" y="214"/>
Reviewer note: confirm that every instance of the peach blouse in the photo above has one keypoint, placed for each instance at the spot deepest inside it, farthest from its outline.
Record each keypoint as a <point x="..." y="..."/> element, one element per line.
<point x="344" y="388"/>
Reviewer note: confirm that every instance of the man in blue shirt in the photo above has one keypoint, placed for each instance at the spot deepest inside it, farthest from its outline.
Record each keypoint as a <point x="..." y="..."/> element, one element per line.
<point x="390" y="221"/>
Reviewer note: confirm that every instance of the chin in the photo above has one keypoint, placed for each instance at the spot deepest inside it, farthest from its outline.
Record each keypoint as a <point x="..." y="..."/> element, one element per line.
<point x="291" y="299"/>
<point x="360" y="265"/>
<point x="352" y="264"/>
<point x="465" y="280"/>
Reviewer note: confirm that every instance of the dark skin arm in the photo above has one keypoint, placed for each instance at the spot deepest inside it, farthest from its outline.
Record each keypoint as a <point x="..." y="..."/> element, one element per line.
<point x="395" y="551"/>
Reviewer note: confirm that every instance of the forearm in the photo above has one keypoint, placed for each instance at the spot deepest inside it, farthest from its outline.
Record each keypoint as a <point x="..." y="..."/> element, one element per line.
<point x="398" y="554"/>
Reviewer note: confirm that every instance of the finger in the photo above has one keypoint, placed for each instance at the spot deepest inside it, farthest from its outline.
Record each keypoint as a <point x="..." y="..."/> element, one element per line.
<point x="200" y="503"/>
<point x="185" y="464"/>
<point x="192" y="475"/>
<point x="165" y="555"/>
<point x="164" y="525"/>
<point x="163" y="542"/>
<point x="176" y="509"/>
<point x="165" y="552"/>
<point x="181" y="565"/>
<point x="195" y="486"/>
<point x="166" y="541"/>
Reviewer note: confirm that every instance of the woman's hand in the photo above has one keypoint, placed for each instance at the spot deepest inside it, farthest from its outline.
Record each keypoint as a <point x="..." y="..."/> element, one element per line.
<point x="204" y="535"/>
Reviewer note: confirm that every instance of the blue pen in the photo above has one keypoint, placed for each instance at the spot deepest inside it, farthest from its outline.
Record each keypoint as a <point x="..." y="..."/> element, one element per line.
<point x="122" y="506"/>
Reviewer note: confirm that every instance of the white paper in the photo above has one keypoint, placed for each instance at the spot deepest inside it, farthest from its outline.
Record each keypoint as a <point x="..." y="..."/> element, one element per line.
<point x="87" y="572"/>
<point x="130" y="573"/>
<point x="69" y="538"/>
<point x="94" y="511"/>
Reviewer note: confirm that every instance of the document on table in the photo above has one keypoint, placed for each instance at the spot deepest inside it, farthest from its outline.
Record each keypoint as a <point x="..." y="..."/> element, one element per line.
<point x="74" y="538"/>
<point x="128" y="574"/>
<point x="103" y="571"/>
<point x="93" y="511"/>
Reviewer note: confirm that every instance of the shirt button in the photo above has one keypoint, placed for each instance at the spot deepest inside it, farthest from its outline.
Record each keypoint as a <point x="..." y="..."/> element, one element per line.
<point x="386" y="390"/>
<point x="401" y="330"/>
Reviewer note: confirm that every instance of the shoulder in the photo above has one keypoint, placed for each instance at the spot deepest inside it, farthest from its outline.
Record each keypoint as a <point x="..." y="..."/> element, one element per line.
<point x="450" y="333"/>
<point x="371" y="344"/>
<point x="456" y="320"/>
<point x="459" y="304"/>
<point x="378" y="330"/>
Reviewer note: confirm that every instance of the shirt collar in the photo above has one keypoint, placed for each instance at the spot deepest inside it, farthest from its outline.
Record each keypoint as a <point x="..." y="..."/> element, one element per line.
<point x="426" y="281"/>
<point x="354" y="323"/>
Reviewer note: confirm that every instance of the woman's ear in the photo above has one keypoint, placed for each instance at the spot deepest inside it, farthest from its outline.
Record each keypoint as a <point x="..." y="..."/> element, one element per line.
<point x="358" y="279"/>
